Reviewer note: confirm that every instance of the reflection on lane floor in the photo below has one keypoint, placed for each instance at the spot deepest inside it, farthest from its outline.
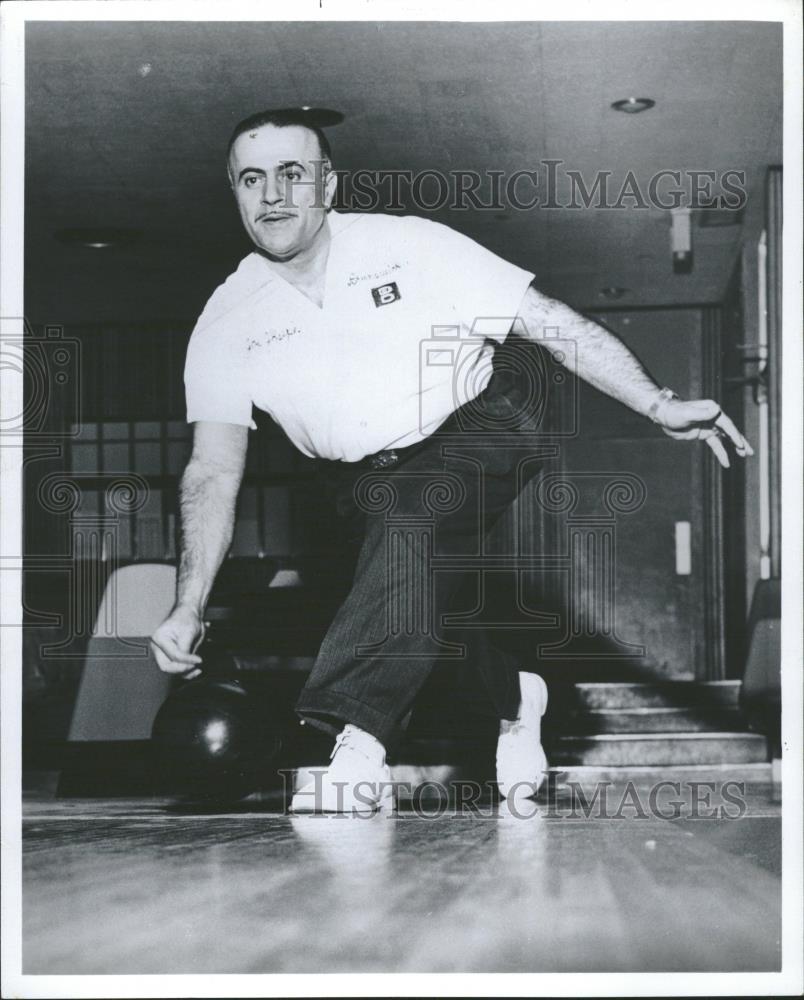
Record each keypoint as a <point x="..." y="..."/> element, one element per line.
<point x="144" y="891"/>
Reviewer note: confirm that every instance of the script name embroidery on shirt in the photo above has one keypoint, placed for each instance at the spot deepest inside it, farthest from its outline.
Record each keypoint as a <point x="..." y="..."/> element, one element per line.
<point x="269" y="336"/>
<point x="355" y="278"/>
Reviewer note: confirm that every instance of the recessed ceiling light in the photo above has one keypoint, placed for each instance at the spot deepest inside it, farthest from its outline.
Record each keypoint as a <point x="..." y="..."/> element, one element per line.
<point x="633" y="105"/>
<point x="99" y="238"/>
<point x="319" y="117"/>
<point x="613" y="292"/>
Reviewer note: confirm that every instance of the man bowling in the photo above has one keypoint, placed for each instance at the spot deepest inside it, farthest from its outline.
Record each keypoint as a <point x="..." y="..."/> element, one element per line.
<point x="320" y="326"/>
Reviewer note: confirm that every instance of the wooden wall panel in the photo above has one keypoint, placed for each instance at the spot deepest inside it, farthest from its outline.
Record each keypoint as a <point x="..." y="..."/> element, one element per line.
<point x="678" y="619"/>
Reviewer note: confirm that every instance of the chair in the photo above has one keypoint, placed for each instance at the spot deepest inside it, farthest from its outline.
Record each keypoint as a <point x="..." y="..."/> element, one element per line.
<point x="121" y="686"/>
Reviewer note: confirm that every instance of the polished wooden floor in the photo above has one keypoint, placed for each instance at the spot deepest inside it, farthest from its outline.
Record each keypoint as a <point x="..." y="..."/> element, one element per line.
<point x="139" y="887"/>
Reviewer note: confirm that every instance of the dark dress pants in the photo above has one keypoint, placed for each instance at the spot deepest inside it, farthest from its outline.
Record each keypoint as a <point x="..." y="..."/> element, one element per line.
<point x="420" y="515"/>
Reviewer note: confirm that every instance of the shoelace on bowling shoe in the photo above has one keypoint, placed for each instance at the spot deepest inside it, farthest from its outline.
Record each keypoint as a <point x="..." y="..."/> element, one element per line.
<point x="342" y="739"/>
<point x="512" y="727"/>
<point x="348" y="738"/>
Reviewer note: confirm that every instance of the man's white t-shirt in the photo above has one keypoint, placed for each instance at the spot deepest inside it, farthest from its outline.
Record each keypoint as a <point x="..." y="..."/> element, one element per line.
<point x="405" y="336"/>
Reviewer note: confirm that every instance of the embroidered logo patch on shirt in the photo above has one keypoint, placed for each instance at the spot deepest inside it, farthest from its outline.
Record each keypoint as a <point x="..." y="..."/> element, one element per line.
<point x="385" y="294"/>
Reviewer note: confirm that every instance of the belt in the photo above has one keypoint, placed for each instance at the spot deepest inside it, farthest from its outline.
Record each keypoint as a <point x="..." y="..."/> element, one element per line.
<point x="390" y="457"/>
<point x="382" y="459"/>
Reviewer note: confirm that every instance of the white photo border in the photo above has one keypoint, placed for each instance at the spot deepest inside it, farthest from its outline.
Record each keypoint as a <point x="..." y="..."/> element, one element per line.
<point x="14" y="14"/>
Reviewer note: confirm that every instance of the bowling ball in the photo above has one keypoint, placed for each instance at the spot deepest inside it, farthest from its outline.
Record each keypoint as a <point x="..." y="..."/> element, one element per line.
<point x="212" y="736"/>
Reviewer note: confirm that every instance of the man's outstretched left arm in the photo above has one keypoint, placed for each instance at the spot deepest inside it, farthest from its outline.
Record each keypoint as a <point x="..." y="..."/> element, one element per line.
<point x="604" y="361"/>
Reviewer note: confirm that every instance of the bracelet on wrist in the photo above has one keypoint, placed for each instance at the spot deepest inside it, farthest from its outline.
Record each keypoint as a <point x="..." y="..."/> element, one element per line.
<point x="663" y="396"/>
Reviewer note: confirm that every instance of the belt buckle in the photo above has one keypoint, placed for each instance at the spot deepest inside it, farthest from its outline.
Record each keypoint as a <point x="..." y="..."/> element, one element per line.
<point x="383" y="459"/>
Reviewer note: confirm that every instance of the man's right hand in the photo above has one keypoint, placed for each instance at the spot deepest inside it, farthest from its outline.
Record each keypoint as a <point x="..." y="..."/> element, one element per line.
<point x="174" y="642"/>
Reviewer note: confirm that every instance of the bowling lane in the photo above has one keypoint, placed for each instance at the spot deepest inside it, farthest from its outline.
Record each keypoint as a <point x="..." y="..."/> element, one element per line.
<point x="136" y="890"/>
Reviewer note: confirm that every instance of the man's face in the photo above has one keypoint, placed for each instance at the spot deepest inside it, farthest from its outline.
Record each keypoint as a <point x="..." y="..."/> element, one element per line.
<point x="281" y="189"/>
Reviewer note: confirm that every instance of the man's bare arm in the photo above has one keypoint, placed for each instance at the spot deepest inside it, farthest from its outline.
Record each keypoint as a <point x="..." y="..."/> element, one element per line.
<point x="209" y="489"/>
<point x="603" y="360"/>
<point x="208" y="495"/>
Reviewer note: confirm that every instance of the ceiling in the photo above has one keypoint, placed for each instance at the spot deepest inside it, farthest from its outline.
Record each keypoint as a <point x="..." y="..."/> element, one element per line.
<point x="127" y="124"/>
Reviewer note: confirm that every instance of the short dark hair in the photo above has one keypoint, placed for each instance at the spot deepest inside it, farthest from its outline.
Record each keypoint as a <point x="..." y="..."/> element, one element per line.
<point x="281" y="118"/>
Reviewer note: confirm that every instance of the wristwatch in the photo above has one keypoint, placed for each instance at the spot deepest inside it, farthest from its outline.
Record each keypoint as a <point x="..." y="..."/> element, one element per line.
<point x="662" y="397"/>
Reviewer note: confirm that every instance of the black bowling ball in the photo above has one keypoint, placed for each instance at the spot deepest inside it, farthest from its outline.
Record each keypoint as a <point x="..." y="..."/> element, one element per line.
<point x="214" y="737"/>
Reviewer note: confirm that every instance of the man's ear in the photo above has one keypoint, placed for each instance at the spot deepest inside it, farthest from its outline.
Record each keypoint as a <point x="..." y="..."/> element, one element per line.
<point x="330" y="185"/>
<point x="230" y="178"/>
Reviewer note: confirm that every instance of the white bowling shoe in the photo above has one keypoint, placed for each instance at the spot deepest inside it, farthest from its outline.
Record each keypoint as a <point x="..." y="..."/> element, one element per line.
<point x="357" y="781"/>
<point x="521" y="761"/>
